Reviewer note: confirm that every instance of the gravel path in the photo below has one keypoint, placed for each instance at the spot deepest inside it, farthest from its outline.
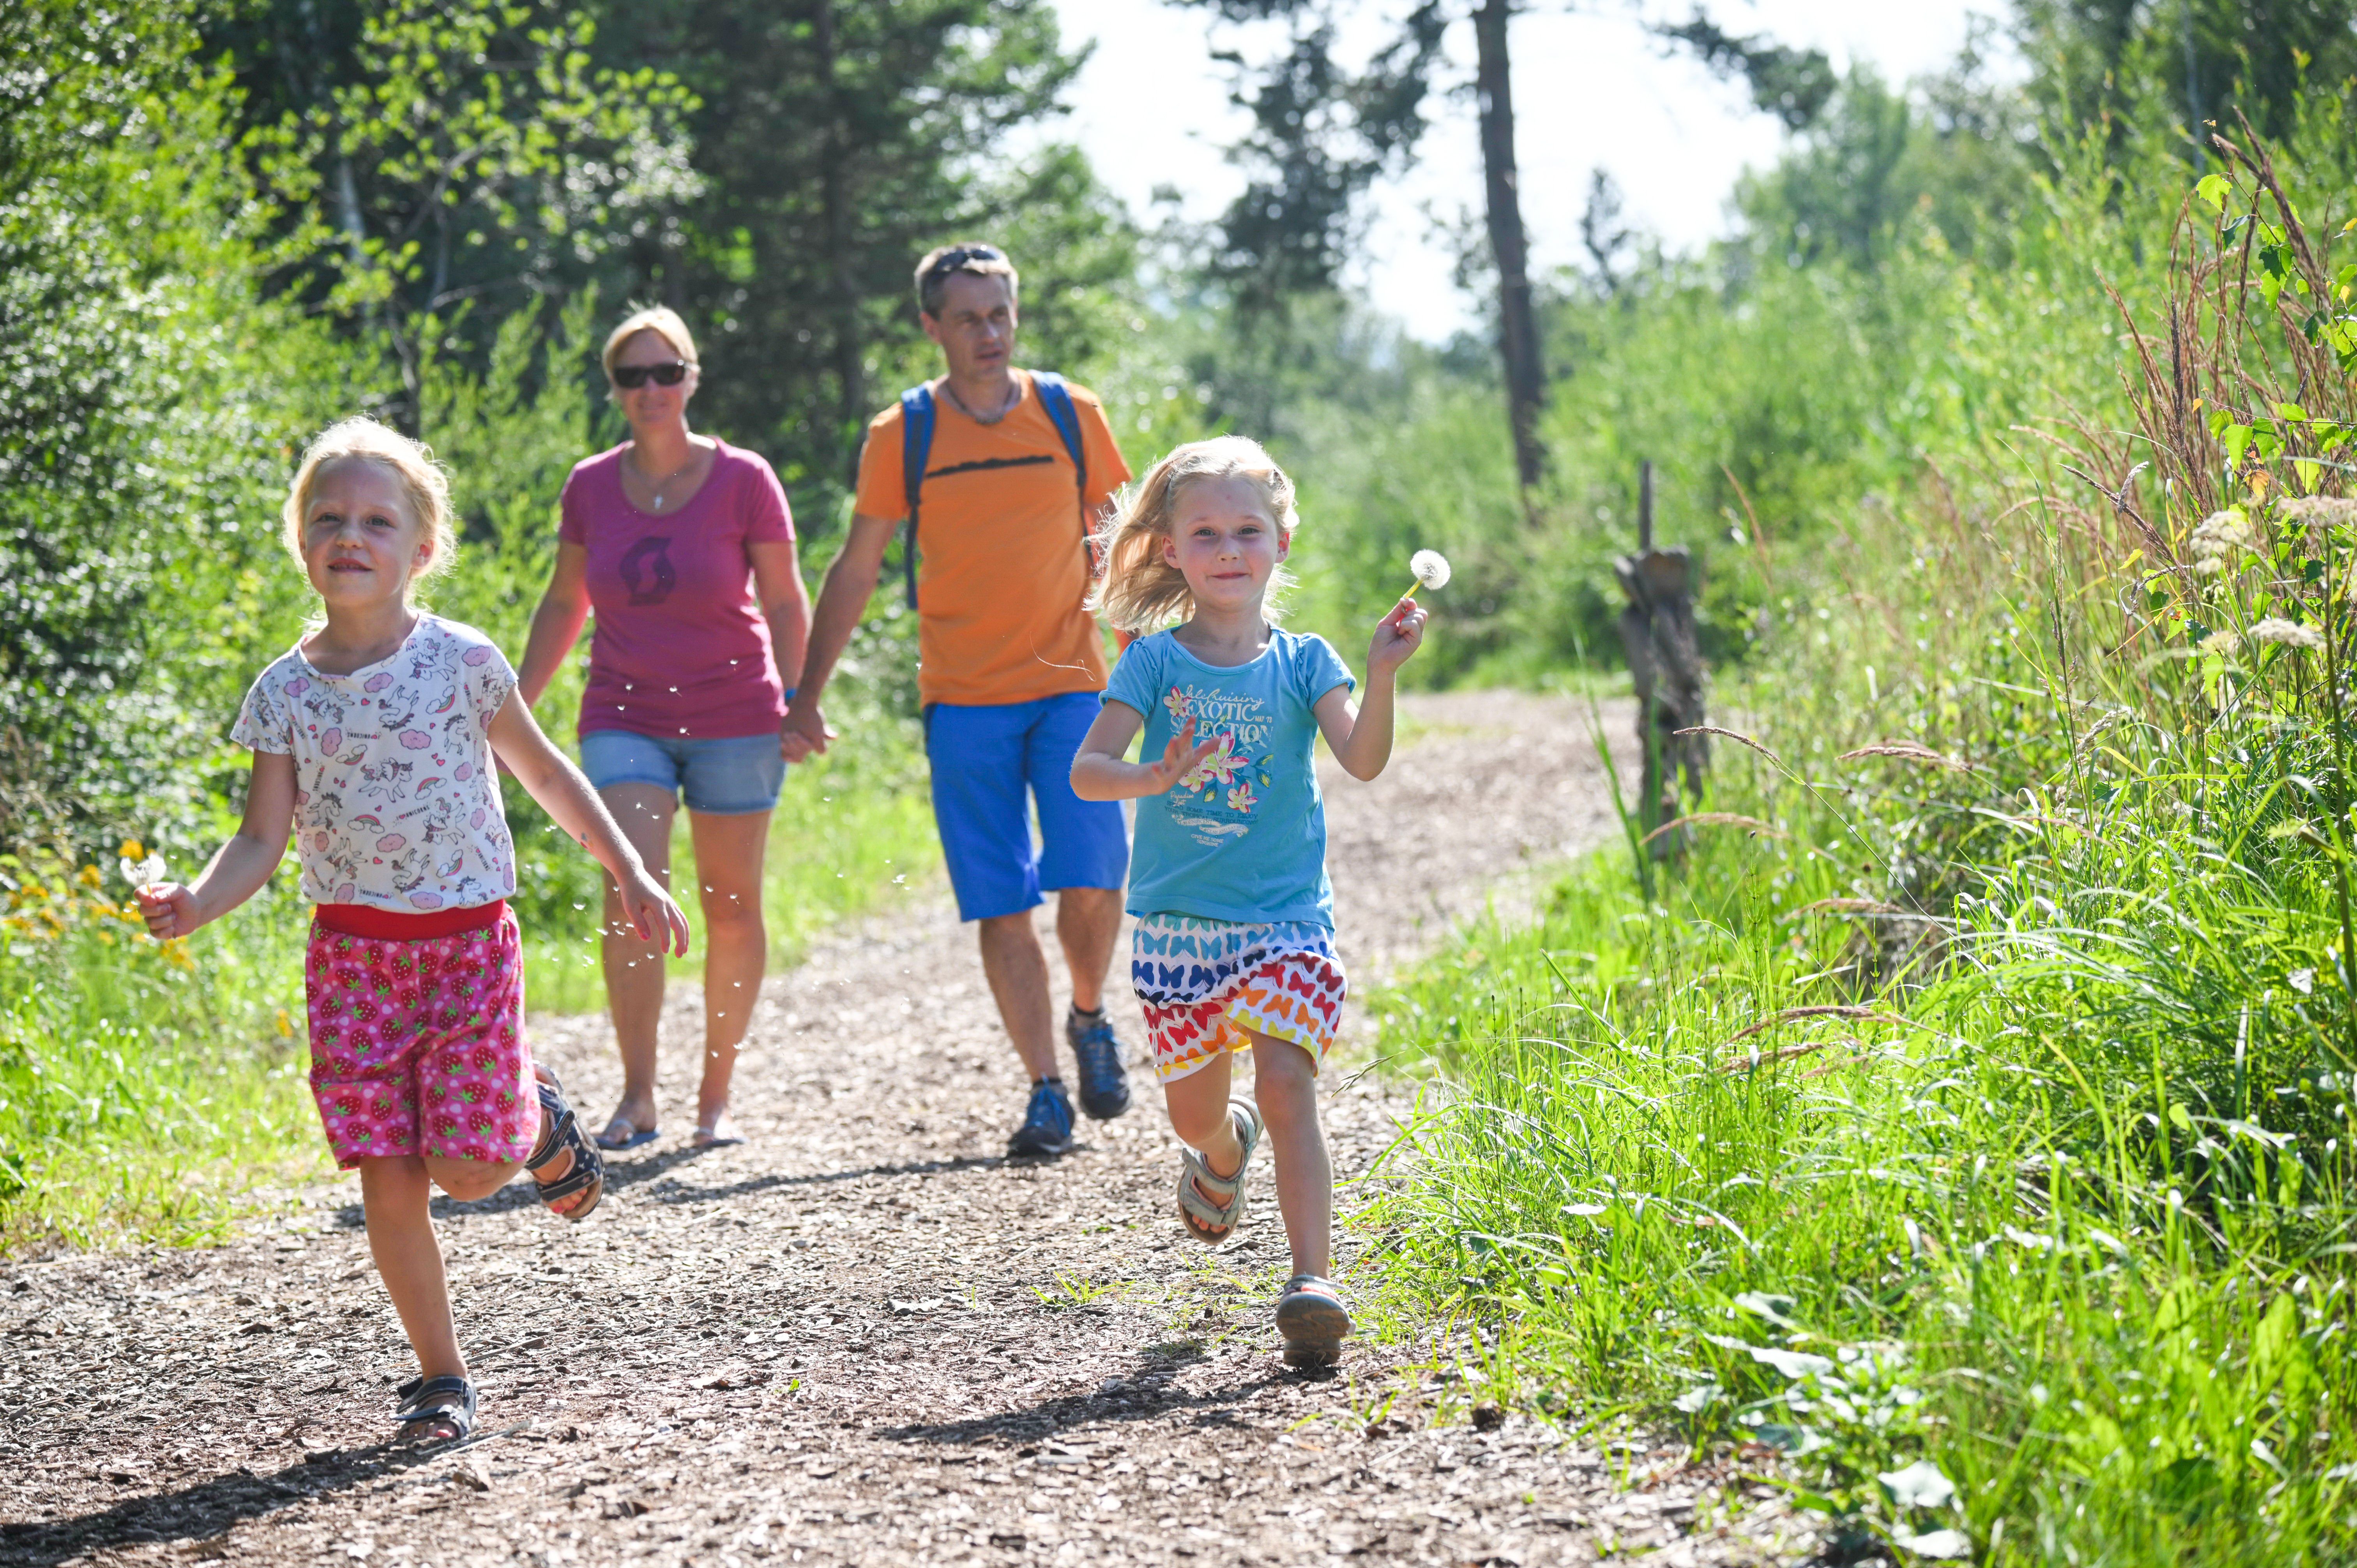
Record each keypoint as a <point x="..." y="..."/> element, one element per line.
<point x="863" y="1338"/>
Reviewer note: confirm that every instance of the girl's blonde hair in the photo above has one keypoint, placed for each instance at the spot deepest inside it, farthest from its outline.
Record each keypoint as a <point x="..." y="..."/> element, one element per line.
<point x="1141" y="591"/>
<point x="660" y="319"/>
<point x="424" y="483"/>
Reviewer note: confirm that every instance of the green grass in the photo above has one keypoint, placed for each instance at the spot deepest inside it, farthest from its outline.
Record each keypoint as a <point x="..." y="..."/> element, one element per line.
<point x="1965" y="1126"/>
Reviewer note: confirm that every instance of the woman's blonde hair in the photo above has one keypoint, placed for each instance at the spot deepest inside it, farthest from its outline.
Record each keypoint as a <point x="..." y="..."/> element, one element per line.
<point x="1141" y="591"/>
<point x="424" y="483"/>
<point x="660" y="319"/>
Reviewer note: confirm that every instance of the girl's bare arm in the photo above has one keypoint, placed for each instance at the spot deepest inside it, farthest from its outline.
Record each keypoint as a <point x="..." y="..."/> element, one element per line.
<point x="1100" y="774"/>
<point x="1361" y="736"/>
<point x="240" y="867"/>
<point x="549" y="776"/>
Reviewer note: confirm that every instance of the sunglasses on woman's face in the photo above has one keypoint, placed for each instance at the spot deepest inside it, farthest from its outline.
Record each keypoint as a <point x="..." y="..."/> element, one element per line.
<point x="670" y="373"/>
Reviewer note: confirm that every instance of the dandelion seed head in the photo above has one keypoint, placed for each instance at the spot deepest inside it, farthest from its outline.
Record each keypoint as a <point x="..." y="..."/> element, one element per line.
<point x="1431" y="568"/>
<point x="140" y="872"/>
<point x="2290" y="633"/>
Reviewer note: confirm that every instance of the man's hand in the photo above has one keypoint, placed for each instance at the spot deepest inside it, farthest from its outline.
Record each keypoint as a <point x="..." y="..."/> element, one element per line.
<point x="170" y="910"/>
<point x="1178" y="759"/>
<point x="804" y="733"/>
<point x="1397" y="637"/>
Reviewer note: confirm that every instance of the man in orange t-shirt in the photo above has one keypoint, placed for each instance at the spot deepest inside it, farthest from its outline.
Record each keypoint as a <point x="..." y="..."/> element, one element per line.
<point x="1010" y="669"/>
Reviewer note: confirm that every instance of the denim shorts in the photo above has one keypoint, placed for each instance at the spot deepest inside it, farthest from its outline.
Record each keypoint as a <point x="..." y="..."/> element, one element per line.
<point x="732" y="777"/>
<point x="987" y="759"/>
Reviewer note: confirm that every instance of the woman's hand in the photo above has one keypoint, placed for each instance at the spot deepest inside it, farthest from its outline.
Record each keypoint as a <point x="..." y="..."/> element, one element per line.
<point x="1397" y="637"/>
<point x="653" y="914"/>
<point x="805" y="732"/>
<point x="1178" y="759"/>
<point x="169" y="909"/>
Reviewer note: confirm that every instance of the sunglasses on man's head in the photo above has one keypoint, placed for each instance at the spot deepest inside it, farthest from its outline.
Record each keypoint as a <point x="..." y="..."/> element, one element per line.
<point x="951" y="260"/>
<point x="670" y="373"/>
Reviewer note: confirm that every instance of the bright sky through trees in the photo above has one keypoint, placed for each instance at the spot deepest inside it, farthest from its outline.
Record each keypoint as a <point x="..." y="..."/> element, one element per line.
<point x="1591" y="87"/>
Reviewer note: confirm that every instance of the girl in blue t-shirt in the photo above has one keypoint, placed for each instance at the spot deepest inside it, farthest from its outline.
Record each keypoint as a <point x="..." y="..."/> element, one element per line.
<point x="1234" y="941"/>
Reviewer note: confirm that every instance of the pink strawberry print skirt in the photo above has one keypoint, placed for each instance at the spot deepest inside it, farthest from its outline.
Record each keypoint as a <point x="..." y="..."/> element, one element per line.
<point x="418" y="1046"/>
<point x="1205" y="982"/>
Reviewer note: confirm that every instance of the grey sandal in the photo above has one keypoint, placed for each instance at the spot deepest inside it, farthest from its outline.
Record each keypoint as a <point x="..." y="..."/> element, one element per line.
<point x="1206" y="1200"/>
<point x="1313" y="1321"/>
<point x="435" y="1410"/>
<point x="562" y="1132"/>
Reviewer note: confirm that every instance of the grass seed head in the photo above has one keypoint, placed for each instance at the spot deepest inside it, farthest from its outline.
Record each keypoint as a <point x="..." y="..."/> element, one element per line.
<point x="2290" y="633"/>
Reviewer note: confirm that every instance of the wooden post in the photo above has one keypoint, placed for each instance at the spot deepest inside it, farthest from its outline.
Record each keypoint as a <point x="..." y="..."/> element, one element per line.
<point x="1657" y="631"/>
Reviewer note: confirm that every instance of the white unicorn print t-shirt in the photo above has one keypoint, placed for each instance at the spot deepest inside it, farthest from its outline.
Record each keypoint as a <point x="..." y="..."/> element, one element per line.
<point x="396" y="800"/>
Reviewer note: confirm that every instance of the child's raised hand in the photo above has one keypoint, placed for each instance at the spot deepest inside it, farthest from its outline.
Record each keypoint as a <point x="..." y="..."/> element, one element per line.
<point x="169" y="910"/>
<point x="1397" y="635"/>
<point x="654" y="915"/>
<point x="1178" y="759"/>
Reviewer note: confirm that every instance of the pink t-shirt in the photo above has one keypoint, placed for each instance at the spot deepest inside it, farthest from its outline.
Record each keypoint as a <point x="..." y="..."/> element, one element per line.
<point x="682" y="649"/>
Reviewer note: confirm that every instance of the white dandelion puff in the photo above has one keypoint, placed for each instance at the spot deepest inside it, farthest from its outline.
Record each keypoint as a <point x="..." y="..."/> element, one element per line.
<point x="142" y="873"/>
<point x="2290" y="633"/>
<point x="1430" y="568"/>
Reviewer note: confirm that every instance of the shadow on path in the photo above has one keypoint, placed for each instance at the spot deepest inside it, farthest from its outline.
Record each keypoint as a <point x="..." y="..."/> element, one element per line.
<point x="198" y="1512"/>
<point x="621" y="1175"/>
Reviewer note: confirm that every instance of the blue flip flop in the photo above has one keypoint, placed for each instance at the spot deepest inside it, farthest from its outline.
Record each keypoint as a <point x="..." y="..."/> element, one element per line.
<point x="638" y="1135"/>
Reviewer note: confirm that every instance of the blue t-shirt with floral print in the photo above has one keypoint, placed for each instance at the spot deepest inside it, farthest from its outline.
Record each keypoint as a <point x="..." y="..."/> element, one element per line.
<point x="1243" y="837"/>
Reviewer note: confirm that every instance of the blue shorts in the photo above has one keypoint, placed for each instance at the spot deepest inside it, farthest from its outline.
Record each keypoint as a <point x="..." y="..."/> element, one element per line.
<point x="732" y="777"/>
<point x="984" y="759"/>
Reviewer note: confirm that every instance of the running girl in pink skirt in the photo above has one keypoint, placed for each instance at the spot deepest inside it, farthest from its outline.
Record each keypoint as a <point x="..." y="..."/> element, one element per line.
<point x="1233" y="947"/>
<point x="373" y="742"/>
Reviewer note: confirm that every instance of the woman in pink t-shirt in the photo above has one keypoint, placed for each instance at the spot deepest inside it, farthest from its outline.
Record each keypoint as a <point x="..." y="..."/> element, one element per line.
<point x="683" y="547"/>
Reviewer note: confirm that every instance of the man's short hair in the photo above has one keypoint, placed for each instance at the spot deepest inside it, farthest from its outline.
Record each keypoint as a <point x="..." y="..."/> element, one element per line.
<point x="968" y="257"/>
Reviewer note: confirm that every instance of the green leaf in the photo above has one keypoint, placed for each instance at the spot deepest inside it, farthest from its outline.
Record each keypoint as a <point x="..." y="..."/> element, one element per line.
<point x="2213" y="188"/>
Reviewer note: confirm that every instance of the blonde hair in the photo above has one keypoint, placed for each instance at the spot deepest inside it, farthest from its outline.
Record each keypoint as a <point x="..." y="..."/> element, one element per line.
<point x="424" y="483"/>
<point x="1141" y="591"/>
<point x="660" y="319"/>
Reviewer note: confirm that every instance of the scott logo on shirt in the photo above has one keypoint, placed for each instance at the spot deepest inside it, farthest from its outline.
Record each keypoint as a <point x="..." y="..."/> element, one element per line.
<point x="647" y="572"/>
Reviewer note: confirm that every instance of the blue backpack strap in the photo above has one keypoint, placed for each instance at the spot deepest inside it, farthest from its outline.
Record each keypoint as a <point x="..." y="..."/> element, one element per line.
<point x="1056" y="397"/>
<point x="916" y="451"/>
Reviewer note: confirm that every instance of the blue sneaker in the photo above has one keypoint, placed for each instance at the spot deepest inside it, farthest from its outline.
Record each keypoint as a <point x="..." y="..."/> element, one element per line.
<point x="1047" y="1122"/>
<point x="1104" y="1084"/>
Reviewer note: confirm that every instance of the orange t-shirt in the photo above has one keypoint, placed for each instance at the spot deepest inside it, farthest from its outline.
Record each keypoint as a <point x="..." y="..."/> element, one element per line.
<point x="1002" y="550"/>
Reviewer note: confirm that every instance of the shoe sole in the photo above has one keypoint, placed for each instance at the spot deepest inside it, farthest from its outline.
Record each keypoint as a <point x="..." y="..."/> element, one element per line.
<point x="1020" y="1148"/>
<point x="1314" y="1329"/>
<point x="1104" y="1111"/>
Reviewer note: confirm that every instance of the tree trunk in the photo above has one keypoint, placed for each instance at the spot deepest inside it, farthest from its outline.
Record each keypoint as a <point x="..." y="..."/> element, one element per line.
<point x="850" y="366"/>
<point x="1518" y="330"/>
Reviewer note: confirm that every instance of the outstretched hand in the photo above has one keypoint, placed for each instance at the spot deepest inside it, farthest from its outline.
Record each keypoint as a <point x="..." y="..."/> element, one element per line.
<point x="169" y="910"/>
<point x="1178" y="759"/>
<point x="1397" y="635"/>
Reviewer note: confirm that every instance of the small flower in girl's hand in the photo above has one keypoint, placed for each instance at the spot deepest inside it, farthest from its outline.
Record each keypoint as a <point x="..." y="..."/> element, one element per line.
<point x="142" y="873"/>
<point x="1431" y="569"/>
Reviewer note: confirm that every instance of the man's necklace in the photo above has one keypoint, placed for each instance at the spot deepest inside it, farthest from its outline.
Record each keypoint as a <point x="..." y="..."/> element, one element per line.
<point x="1015" y="395"/>
<point x="659" y="489"/>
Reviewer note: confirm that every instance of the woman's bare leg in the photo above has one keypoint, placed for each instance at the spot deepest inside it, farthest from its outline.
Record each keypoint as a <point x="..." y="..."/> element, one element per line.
<point x="728" y="856"/>
<point x="634" y="970"/>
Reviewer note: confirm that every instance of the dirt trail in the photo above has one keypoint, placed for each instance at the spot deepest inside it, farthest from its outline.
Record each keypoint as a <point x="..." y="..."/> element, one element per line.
<point x="863" y="1338"/>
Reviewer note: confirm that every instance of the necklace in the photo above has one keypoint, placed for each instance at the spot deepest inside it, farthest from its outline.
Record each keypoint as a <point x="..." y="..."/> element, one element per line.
<point x="665" y="484"/>
<point x="1015" y="396"/>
